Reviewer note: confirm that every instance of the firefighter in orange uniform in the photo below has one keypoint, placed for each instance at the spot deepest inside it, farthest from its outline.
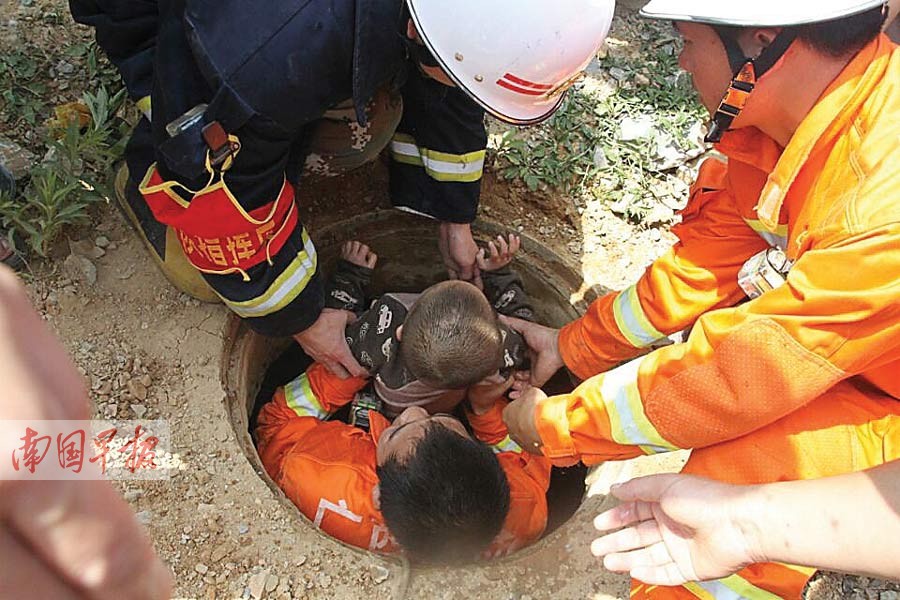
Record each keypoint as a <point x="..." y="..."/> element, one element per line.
<point x="787" y="270"/>
<point x="483" y="494"/>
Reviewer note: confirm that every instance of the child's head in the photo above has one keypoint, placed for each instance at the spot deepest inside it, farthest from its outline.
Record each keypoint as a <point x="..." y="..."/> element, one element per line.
<point x="443" y="494"/>
<point x="451" y="337"/>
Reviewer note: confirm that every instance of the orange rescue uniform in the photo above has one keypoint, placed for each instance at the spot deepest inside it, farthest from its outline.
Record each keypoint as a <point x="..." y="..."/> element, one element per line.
<point x="800" y="382"/>
<point x="327" y="468"/>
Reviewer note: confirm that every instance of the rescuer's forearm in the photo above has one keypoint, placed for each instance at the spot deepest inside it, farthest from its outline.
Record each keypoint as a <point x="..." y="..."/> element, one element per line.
<point x="845" y="523"/>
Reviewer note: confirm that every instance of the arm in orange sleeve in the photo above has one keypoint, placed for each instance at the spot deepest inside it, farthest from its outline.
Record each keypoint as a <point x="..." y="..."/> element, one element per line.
<point x="744" y="367"/>
<point x="697" y="274"/>
<point x="528" y="477"/>
<point x="297" y="408"/>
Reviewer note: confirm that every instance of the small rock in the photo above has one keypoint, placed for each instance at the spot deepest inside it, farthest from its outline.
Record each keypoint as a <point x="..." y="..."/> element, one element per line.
<point x="271" y="583"/>
<point x="132" y="495"/>
<point x="102" y="241"/>
<point x="618" y="73"/>
<point x="243" y="529"/>
<point x="218" y="554"/>
<point x="301" y="560"/>
<point x="137" y="389"/>
<point x="139" y="410"/>
<point x="631" y="129"/>
<point x="257" y="584"/>
<point x="146" y="380"/>
<point x="641" y="79"/>
<point x="110" y="411"/>
<point x="380" y="573"/>
<point x="80" y="269"/>
<point x="889" y="595"/>
<point x="86" y="248"/>
<point x="144" y="517"/>
<point x="599" y="158"/>
<point x="201" y="568"/>
<point x="15" y="158"/>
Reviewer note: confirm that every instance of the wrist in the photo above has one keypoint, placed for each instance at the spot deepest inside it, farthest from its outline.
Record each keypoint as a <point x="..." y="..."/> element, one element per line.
<point x="749" y="513"/>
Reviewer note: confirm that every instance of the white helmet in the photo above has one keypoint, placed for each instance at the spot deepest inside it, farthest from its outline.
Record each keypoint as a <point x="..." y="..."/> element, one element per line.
<point x="516" y="58"/>
<point x="759" y="13"/>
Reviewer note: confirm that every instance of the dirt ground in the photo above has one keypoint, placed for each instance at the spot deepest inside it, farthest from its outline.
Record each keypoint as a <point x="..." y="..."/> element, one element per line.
<point x="148" y="351"/>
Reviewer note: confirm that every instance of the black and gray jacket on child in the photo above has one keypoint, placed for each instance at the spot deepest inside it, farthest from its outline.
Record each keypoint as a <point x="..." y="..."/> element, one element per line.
<point x="373" y="341"/>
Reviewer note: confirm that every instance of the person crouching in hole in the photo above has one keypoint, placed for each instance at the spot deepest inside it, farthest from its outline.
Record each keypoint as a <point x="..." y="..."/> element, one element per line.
<point x="437" y="487"/>
<point x="424" y="484"/>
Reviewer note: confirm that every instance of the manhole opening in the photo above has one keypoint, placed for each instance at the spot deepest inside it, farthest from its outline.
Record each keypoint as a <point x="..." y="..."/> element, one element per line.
<point x="252" y="365"/>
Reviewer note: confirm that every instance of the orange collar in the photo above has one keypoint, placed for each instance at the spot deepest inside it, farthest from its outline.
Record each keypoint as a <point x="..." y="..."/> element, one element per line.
<point x="377" y="424"/>
<point x="838" y="106"/>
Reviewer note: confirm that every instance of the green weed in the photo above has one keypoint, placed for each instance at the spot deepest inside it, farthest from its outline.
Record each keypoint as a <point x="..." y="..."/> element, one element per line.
<point x="72" y="176"/>
<point x="581" y="149"/>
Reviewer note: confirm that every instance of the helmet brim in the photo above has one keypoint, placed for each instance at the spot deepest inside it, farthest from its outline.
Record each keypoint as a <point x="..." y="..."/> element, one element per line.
<point x="775" y="13"/>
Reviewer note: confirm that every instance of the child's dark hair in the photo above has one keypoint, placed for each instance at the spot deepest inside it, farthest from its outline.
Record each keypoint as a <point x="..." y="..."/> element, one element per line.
<point x="448" y="501"/>
<point x="451" y="336"/>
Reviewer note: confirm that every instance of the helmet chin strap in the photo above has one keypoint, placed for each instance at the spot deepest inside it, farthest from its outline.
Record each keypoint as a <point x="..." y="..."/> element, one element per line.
<point x="747" y="71"/>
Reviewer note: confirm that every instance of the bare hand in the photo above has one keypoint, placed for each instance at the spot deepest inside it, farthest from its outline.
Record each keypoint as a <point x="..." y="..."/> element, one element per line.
<point x="358" y="254"/>
<point x="498" y="254"/>
<point x="519" y="419"/>
<point x="61" y="539"/>
<point x="459" y="251"/>
<point x="678" y="528"/>
<point x="324" y="341"/>
<point x="543" y="342"/>
<point x="486" y="392"/>
<point x="521" y="384"/>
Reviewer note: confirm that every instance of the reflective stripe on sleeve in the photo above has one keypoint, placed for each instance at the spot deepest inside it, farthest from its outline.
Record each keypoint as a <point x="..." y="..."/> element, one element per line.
<point x="628" y="422"/>
<point x="777" y="238"/>
<point x="441" y="166"/>
<point x="298" y="395"/>
<point x="285" y="288"/>
<point x="632" y="321"/>
<point x="730" y="588"/>
<point x="506" y="445"/>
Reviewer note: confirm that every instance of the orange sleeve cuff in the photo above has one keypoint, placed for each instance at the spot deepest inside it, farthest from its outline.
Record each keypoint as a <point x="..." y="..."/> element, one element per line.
<point x="489" y="427"/>
<point x="552" y="422"/>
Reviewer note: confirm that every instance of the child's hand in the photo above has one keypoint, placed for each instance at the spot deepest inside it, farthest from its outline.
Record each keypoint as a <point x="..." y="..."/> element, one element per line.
<point x="521" y="384"/>
<point x="501" y="253"/>
<point x="486" y="392"/>
<point x="358" y="254"/>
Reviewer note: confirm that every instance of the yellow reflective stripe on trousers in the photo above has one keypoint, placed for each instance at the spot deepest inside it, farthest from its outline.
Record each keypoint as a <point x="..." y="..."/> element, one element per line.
<point x="628" y="422"/>
<point x="285" y="288"/>
<point x="777" y="238"/>
<point x="299" y="396"/>
<point x="730" y="588"/>
<point x="441" y="166"/>
<point x="632" y="321"/>
<point x="145" y="105"/>
<point x="506" y="445"/>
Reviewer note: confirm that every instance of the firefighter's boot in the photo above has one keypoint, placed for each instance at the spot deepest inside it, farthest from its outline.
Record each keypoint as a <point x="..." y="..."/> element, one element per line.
<point x="161" y="241"/>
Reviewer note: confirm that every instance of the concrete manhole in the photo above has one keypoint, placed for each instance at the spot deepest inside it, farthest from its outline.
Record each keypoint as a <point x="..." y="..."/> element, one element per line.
<point x="408" y="261"/>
